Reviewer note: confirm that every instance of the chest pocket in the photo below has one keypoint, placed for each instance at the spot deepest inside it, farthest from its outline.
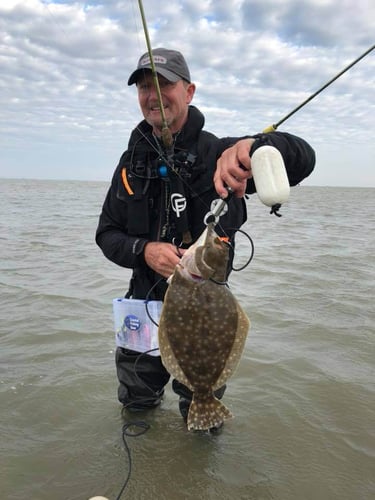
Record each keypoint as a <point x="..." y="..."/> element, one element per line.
<point x="131" y="190"/>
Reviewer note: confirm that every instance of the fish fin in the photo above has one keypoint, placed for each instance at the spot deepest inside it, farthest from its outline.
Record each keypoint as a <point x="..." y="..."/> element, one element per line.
<point x="204" y="415"/>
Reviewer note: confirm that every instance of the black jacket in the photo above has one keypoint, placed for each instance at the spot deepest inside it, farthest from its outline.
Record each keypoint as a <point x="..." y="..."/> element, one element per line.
<point x="137" y="208"/>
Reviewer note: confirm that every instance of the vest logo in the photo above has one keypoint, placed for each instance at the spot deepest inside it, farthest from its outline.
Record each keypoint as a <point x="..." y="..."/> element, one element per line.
<point x="178" y="202"/>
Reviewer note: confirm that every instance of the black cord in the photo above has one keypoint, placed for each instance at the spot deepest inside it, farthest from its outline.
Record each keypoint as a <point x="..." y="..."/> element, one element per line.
<point x="236" y="269"/>
<point x="141" y="425"/>
<point x="147" y="300"/>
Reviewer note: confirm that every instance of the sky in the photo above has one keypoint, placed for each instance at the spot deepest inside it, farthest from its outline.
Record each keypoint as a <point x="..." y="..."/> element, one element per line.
<point x="67" y="111"/>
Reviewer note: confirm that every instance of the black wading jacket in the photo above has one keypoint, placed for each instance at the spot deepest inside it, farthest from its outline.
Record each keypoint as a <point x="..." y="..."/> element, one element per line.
<point x="139" y="208"/>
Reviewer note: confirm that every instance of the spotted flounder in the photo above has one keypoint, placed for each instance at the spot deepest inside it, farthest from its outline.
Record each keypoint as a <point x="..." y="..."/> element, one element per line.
<point x="202" y="328"/>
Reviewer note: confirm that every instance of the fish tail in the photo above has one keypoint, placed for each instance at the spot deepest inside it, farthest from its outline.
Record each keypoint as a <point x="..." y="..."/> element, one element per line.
<point x="207" y="413"/>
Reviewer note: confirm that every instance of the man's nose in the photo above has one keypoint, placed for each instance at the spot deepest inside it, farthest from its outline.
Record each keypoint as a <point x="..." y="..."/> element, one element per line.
<point x="152" y="91"/>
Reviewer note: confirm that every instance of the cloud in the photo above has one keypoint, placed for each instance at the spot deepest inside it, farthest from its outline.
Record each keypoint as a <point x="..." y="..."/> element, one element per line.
<point x="67" y="111"/>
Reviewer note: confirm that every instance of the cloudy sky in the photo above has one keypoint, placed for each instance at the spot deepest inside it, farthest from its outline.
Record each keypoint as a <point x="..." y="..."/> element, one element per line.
<point x="66" y="110"/>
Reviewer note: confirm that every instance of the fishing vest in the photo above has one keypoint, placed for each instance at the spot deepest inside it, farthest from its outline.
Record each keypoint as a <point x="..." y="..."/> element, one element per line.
<point x="162" y="196"/>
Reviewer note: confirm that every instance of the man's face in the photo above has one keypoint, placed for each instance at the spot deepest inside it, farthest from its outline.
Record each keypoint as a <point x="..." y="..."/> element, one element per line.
<point x="175" y="98"/>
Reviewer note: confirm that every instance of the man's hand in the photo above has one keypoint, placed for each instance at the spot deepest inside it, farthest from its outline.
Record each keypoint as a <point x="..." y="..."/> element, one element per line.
<point x="233" y="169"/>
<point x="162" y="257"/>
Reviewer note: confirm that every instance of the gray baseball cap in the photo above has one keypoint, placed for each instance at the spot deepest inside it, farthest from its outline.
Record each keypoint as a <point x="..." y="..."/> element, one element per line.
<point x="169" y="63"/>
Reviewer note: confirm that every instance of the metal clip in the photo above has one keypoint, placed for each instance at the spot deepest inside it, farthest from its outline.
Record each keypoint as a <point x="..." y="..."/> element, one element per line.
<point x="218" y="208"/>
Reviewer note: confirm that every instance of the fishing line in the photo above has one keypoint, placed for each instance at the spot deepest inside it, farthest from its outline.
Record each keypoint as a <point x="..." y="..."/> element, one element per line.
<point x="169" y="163"/>
<point x="163" y="157"/>
<point x="167" y="137"/>
<point x="54" y="18"/>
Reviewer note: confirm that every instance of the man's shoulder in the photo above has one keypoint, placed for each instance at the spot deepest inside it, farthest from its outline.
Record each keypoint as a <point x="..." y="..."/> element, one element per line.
<point x="208" y="140"/>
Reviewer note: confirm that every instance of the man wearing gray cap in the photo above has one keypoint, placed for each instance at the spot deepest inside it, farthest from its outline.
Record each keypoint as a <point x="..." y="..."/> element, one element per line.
<point x="169" y="63"/>
<point x="153" y="212"/>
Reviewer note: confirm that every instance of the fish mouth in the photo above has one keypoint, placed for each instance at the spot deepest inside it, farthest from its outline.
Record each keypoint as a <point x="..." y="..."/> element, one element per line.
<point x="196" y="277"/>
<point x="191" y="275"/>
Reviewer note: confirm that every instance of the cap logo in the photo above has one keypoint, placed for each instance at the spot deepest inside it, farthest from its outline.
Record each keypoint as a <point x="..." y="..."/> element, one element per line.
<point x="157" y="60"/>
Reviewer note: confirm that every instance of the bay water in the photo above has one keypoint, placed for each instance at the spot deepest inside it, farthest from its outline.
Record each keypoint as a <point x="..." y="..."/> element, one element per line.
<point x="303" y="395"/>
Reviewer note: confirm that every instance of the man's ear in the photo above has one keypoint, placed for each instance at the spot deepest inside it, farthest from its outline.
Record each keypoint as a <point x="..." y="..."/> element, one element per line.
<point x="190" y="91"/>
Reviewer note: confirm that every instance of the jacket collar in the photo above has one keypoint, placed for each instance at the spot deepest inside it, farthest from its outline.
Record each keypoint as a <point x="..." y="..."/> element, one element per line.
<point x="184" y="138"/>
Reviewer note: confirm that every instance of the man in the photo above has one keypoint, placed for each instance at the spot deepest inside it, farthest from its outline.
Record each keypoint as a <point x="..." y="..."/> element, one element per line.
<point x="160" y="194"/>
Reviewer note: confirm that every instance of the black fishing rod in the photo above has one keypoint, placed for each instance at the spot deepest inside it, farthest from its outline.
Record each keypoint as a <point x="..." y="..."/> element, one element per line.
<point x="272" y="128"/>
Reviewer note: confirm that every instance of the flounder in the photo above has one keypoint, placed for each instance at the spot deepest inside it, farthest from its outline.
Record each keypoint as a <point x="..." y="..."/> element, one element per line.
<point x="202" y="328"/>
